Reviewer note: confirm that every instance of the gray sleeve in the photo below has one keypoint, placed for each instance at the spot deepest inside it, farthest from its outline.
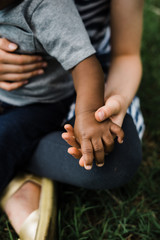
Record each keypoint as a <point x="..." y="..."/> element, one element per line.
<point x="59" y="28"/>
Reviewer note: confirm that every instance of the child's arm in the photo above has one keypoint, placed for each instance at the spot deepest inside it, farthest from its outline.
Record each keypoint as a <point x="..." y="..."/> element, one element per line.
<point x="88" y="79"/>
<point x="92" y="136"/>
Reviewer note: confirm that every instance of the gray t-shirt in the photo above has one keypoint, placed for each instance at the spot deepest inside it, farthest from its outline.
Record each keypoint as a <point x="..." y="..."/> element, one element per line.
<point x="52" y="28"/>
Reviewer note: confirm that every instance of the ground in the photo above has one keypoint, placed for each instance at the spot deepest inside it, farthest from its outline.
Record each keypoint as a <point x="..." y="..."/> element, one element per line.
<point x="132" y="212"/>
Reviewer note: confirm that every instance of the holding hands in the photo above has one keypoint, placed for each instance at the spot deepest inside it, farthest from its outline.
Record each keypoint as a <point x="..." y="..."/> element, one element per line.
<point x="86" y="142"/>
<point x="94" y="133"/>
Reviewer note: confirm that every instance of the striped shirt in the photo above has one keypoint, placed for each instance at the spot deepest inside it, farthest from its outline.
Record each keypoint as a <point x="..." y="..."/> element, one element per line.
<point x="96" y="17"/>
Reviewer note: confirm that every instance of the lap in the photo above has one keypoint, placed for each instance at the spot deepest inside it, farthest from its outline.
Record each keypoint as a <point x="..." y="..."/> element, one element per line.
<point x="52" y="160"/>
<point x="21" y="128"/>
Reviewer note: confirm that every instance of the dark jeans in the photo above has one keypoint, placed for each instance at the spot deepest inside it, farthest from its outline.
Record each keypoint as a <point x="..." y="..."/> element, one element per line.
<point x="21" y="129"/>
<point x="52" y="160"/>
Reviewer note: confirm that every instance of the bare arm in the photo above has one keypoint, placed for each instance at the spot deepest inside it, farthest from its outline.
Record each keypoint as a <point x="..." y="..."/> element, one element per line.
<point x="93" y="137"/>
<point x="125" y="70"/>
<point x="89" y="85"/>
<point x="88" y="79"/>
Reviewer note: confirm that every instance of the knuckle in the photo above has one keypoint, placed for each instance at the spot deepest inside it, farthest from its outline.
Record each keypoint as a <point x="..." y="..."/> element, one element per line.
<point x="1" y="68"/>
<point x="84" y="135"/>
<point x="87" y="151"/>
<point x="110" y="141"/>
<point x="98" y="148"/>
<point x="19" y="77"/>
<point x="108" y="111"/>
<point x="20" y="60"/>
<point x="115" y="128"/>
<point x="21" y="69"/>
<point x="117" y="103"/>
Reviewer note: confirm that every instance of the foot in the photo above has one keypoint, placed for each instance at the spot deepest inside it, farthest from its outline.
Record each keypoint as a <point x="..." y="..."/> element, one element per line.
<point x="23" y="202"/>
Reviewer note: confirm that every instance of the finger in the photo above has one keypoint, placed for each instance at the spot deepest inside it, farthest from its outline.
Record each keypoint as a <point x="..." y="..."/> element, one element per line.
<point x="69" y="136"/>
<point x="111" y="108"/>
<point x="12" y="86"/>
<point x="87" y="152"/>
<point x="69" y="128"/>
<point x="76" y="153"/>
<point x="16" y="59"/>
<point x="10" y="68"/>
<point x="98" y="151"/>
<point x="115" y="129"/>
<point x="7" y="45"/>
<point x="20" y="76"/>
<point x="108" y="142"/>
<point x="70" y="139"/>
<point x="81" y="162"/>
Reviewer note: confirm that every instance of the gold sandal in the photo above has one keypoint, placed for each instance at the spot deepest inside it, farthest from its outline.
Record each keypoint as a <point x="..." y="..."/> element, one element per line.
<point x="40" y="224"/>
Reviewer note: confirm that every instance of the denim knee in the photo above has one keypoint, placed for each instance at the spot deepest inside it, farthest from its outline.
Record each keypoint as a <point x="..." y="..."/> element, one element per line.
<point x="120" y="165"/>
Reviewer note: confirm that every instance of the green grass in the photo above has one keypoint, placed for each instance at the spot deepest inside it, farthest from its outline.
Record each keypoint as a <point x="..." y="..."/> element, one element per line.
<point x="132" y="212"/>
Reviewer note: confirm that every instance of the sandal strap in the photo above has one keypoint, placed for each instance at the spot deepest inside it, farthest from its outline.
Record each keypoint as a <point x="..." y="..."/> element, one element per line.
<point x="29" y="227"/>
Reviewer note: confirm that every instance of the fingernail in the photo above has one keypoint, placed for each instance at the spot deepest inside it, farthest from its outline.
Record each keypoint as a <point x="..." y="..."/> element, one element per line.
<point x="101" y="115"/>
<point x="12" y="46"/>
<point x="100" y="164"/>
<point x="88" y="167"/>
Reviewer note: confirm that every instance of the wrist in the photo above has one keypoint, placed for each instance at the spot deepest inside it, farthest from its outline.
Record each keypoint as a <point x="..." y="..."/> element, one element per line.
<point x="88" y="104"/>
<point x="85" y="112"/>
<point x="124" y="77"/>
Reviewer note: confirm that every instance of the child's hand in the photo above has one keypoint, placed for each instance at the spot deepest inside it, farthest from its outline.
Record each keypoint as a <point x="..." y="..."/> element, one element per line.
<point x="94" y="138"/>
<point x="114" y="108"/>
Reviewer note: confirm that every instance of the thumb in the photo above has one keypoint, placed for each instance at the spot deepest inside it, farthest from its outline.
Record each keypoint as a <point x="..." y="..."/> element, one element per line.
<point x="110" y="108"/>
<point x="7" y="45"/>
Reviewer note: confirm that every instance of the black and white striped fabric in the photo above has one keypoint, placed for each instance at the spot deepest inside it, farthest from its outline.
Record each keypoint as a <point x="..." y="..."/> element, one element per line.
<point x="96" y="17"/>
